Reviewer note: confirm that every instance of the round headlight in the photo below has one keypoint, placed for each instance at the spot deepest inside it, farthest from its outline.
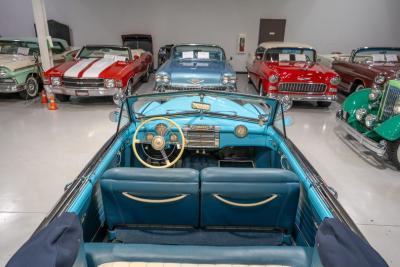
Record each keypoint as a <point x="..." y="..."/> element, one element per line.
<point x="55" y="81"/>
<point x="109" y="83"/>
<point x="3" y="73"/>
<point x="335" y="80"/>
<point x="165" y="79"/>
<point x="374" y="95"/>
<point x="162" y="78"/>
<point x="274" y="78"/>
<point x="225" y="79"/>
<point x="241" y="131"/>
<point x="158" y="78"/>
<point x="396" y="108"/>
<point x="370" y="120"/>
<point x="360" y="114"/>
<point x="380" y="79"/>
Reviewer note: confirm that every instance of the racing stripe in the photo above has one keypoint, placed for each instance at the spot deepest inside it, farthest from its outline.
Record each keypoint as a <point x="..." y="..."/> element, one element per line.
<point x="86" y="68"/>
<point x="78" y="67"/>
<point x="95" y="70"/>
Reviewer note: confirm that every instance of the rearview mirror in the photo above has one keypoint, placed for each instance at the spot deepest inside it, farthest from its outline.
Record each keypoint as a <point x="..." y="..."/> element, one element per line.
<point x="114" y="116"/>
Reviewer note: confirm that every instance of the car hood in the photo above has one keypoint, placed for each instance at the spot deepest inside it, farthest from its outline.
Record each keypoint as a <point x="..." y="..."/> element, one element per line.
<point x="184" y="71"/>
<point x="300" y="72"/>
<point x="14" y="62"/>
<point x="89" y="68"/>
<point x="388" y="69"/>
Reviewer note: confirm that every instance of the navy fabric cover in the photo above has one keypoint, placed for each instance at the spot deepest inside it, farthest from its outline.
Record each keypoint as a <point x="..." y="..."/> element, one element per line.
<point x="57" y="245"/>
<point x="98" y="253"/>
<point x="150" y="184"/>
<point x="338" y="246"/>
<point x="243" y="185"/>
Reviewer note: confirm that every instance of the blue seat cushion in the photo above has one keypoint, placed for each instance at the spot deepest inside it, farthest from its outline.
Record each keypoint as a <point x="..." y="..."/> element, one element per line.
<point x="140" y="196"/>
<point x="98" y="253"/>
<point x="249" y="198"/>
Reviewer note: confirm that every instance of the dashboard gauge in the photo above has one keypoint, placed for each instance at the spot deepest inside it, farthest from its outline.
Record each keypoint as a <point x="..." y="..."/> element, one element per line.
<point x="241" y="131"/>
<point x="173" y="138"/>
<point x="161" y="128"/>
<point x="149" y="137"/>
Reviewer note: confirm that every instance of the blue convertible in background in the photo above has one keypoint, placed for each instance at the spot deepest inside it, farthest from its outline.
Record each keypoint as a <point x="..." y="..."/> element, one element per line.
<point x="193" y="67"/>
<point x="200" y="178"/>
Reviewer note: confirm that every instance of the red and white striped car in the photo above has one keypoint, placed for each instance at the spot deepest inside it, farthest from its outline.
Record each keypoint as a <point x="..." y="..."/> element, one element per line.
<point x="99" y="70"/>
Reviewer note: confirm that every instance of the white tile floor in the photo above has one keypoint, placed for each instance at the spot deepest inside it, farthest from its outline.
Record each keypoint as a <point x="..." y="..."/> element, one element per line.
<point x="41" y="151"/>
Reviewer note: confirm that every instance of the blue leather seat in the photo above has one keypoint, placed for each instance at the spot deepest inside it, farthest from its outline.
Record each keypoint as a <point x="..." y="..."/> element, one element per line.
<point x="140" y="196"/>
<point x="249" y="198"/>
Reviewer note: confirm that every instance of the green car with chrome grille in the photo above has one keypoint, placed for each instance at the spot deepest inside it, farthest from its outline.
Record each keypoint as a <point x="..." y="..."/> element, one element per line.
<point x="372" y="117"/>
<point x="19" y="69"/>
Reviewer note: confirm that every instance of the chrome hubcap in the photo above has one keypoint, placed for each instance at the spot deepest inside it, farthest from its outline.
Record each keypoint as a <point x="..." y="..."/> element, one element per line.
<point x="32" y="87"/>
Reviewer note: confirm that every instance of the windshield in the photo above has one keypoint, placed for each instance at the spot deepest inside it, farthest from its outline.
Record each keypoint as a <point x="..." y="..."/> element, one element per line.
<point x="377" y="55"/>
<point x="290" y="54"/>
<point x="18" y="48"/>
<point x="232" y="106"/>
<point x="120" y="53"/>
<point x="202" y="52"/>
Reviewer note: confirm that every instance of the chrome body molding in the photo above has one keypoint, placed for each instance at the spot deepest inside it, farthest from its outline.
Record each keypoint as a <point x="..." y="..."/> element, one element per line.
<point x="10" y="85"/>
<point x="378" y="148"/>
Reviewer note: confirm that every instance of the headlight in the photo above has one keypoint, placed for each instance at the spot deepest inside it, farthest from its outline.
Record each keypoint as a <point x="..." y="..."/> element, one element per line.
<point x="360" y="114"/>
<point x="109" y="83"/>
<point x="56" y="81"/>
<point x="241" y="131"/>
<point x="380" y="79"/>
<point x="3" y="73"/>
<point x="162" y="78"/>
<point x="370" y="120"/>
<point x="374" y="95"/>
<point x="396" y="108"/>
<point x="335" y="80"/>
<point x="274" y="78"/>
<point x="227" y="78"/>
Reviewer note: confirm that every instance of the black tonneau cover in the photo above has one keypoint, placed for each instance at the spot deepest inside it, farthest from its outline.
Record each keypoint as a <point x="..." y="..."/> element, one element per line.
<point x="138" y="41"/>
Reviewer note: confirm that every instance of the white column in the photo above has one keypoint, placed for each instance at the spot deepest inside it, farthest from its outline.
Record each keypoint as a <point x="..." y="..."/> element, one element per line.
<point x="42" y="29"/>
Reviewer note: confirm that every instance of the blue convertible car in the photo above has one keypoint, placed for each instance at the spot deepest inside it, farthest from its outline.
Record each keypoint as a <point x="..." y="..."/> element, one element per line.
<point x="193" y="67"/>
<point x="198" y="179"/>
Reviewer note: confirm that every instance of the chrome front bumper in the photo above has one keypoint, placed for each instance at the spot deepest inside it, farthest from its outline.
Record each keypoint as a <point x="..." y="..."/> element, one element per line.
<point x="172" y="88"/>
<point x="62" y="90"/>
<point x="378" y="148"/>
<point x="10" y="86"/>
<point x="308" y="98"/>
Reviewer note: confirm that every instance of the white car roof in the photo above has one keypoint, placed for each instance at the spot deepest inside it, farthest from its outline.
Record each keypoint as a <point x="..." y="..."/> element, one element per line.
<point x="269" y="45"/>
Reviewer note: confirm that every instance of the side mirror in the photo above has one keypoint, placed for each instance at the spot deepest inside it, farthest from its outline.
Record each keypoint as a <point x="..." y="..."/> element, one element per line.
<point x="114" y="116"/>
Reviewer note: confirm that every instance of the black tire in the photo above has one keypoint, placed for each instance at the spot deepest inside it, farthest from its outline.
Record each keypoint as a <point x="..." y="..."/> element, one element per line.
<point x="393" y="150"/>
<point x="32" y="88"/>
<point x="63" y="98"/>
<point x="323" y="104"/>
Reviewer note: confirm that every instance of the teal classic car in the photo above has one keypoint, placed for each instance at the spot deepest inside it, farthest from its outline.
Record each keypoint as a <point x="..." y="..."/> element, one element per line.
<point x="372" y="117"/>
<point x="201" y="178"/>
<point x="193" y="67"/>
<point x="19" y="70"/>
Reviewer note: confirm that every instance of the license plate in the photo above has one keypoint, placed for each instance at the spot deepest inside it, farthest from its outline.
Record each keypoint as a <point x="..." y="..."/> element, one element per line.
<point x="81" y="93"/>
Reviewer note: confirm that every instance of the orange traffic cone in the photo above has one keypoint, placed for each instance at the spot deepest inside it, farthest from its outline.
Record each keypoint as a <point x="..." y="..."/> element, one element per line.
<point x="43" y="97"/>
<point x="52" y="104"/>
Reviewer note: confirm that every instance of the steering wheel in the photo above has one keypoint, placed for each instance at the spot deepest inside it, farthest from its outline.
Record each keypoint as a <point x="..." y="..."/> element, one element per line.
<point x="159" y="142"/>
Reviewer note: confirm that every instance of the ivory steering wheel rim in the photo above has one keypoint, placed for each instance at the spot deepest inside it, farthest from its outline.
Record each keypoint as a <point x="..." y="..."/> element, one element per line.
<point x="136" y="141"/>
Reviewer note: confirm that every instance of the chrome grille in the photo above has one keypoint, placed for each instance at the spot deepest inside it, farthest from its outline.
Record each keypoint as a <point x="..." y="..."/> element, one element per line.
<point x="7" y="81"/>
<point x="202" y="136"/>
<point x="83" y="82"/>
<point x="302" y="87"/>
<point x="391" y="96"/>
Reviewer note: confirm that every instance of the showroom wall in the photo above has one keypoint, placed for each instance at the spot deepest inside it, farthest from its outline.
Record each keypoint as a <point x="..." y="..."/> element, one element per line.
<point x="329" y="25"/>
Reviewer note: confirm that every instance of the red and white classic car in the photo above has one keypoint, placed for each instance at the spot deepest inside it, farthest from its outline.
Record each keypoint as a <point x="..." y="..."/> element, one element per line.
<point x="289" y="72"/>
<point x="99" y="70"/>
